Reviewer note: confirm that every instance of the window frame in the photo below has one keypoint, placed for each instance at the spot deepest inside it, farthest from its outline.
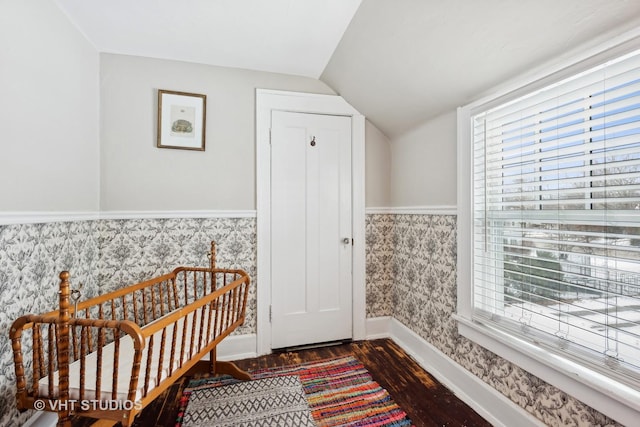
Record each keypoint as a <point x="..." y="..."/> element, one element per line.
<point x="606" y="394"/>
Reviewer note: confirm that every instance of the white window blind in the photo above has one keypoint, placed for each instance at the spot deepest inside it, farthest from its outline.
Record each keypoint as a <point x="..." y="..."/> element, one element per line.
<point x="556" y="217"/>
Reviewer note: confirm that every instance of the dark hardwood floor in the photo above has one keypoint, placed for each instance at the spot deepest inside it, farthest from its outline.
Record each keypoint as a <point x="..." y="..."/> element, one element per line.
<point x="425" y="400"/>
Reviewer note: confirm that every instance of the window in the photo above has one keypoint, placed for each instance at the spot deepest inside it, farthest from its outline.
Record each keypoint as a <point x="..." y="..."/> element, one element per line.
<point x="554" y="195"/>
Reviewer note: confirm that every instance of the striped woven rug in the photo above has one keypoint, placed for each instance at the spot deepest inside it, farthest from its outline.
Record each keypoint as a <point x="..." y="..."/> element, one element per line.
<point x="340" y="392"/>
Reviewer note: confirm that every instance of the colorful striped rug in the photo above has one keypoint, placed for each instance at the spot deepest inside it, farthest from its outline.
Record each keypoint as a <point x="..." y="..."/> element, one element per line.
<point x="340" y="392"/>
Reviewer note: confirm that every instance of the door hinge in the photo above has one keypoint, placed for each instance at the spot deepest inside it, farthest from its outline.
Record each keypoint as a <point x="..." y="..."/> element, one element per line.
<point x="269" y="136"/>
<point x="270" y="314"/>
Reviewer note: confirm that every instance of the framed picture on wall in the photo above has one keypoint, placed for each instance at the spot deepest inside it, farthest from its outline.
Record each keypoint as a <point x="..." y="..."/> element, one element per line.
<point x="181" y="120"/>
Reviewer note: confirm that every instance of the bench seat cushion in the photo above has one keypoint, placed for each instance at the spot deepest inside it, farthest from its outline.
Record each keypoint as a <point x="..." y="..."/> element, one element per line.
<point x="125" y="364"/>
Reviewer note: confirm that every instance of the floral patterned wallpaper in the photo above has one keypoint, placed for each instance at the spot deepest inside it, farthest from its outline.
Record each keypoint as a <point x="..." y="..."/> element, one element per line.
<point x="423" y="293"/>
<point x="411" y="275"/>
<point x="31" y="257"/>
<point x="379" y="264"/>
<point x="104" y="255"/>
<point x="135" y="250"/>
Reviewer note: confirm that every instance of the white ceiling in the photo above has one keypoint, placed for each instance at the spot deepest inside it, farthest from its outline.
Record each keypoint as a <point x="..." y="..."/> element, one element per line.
<point x="399" y="62"/>
<point x="402" y="62"/>
<point x="282" y="36"/>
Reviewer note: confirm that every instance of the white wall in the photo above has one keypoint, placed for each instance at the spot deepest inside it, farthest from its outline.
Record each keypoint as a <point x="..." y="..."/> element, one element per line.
<point x="140" y="177"/>
<point x="377" y="167"/>
<point x="423" y="164"/>
<point x="48" y="111"/>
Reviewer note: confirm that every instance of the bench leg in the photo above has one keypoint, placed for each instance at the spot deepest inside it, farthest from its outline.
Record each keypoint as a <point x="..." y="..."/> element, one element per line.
<point x="228" y="368"/>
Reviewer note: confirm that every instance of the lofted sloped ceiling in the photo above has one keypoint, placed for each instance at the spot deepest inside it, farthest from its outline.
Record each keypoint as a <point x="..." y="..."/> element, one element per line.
<point x="281" y="36"/>
<point x="402" y="62"/>
<point x="399" y="62"/>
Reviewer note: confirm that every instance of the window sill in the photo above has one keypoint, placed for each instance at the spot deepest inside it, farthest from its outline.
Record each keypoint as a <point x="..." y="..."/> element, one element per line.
<point x="612" y="398"/>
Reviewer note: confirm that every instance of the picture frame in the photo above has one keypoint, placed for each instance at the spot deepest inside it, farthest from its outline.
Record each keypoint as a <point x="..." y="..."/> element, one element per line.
<point x="181" y="120"/>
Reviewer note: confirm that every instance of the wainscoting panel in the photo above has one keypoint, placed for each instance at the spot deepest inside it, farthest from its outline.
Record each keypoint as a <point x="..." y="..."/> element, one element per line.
<point x="379" y="269"/>
<point x="104" y="255"/>
<point x="411" y="277"/>
<point x="424" y="297"/>
<point x="31" y="258"/>
<point x="132" y="250"/>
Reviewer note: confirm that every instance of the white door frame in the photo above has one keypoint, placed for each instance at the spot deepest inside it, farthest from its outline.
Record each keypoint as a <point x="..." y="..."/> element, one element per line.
<point x="266" y="101"/>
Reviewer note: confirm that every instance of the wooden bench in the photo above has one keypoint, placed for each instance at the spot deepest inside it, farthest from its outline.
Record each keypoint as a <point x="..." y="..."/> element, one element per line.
<point x="110" y="356"/>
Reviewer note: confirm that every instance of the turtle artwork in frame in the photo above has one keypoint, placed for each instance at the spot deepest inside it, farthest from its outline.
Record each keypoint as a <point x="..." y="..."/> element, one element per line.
<point x="181" y="120"/>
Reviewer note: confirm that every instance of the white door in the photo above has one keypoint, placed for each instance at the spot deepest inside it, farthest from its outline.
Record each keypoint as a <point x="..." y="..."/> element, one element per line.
<point x="311" y="246"/>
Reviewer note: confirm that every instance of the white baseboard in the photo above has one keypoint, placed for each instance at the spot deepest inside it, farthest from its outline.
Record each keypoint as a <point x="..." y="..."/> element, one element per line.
<point x="236" y="347"/>
<point x="378" y="327"/>
<point x="492" y="405"/>
<point x="484" y="399"/>
<point x="42" y="419"/>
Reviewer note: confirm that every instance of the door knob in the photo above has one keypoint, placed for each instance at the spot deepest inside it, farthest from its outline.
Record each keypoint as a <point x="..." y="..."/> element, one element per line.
<point x="346" y="240"/>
